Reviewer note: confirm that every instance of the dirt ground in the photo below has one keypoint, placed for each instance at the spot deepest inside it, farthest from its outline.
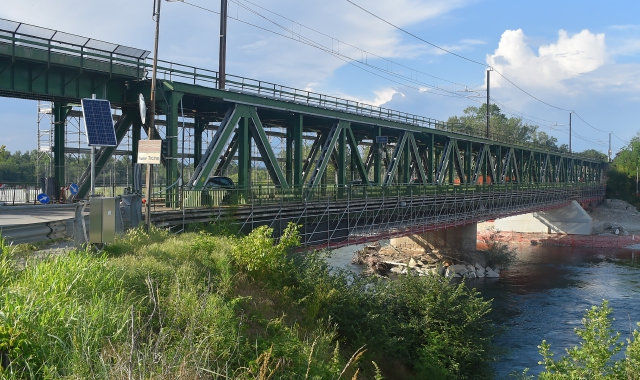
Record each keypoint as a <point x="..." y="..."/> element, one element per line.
<point x="615" y="213"/>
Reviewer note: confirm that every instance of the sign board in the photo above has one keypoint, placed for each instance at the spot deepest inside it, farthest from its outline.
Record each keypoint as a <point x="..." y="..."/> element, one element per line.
<point x="382" y="139"/>
<point x="149" y="151"/>
<point x="43" y="198"/>
<point x="74" y="188"/>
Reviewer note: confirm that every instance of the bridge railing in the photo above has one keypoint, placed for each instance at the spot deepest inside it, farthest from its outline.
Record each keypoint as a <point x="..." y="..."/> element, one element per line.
<point x="269" y="194"/>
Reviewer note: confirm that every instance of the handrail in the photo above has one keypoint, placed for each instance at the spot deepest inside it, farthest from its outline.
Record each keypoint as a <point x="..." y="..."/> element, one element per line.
<point x="244" y="85"/>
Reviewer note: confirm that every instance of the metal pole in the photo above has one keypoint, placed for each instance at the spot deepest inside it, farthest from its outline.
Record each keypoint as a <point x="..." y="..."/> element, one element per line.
<point x="152" y="114"/>
<point x="636" y="180"/>
<point x="222" y="56"/>
<point x="93" y="171"/>
<point x="488" y="88"/>
<point x="569" y="132"/>
<point x="93" y="165"/>
<point x="609" y="146"/>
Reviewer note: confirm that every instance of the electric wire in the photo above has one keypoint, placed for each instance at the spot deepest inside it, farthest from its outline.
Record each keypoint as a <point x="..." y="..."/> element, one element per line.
<point x="482" y="64"/>
<point x="354" y="62"/>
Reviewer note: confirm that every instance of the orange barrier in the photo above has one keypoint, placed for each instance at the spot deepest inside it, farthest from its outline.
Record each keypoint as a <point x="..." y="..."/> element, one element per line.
<point x="590" y="241"/>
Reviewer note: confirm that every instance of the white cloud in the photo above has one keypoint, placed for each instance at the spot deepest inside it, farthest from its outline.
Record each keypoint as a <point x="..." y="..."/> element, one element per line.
<point x="567" y="58"/>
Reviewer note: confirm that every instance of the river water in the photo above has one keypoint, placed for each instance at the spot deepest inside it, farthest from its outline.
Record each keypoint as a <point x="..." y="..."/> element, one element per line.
<point x="544" y="295"/>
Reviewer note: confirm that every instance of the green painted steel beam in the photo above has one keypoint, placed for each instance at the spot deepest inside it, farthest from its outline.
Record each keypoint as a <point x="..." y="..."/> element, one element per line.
<point x="265" y="149"/>
<point x="298" y="128"/>
<point x="211" y="157"/>
<point x="60" y="112"/>
<point x="355" y="157"/>
<point x="244" y="153"/>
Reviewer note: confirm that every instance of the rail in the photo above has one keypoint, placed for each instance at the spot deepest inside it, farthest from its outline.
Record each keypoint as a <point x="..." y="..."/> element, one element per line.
<point x="19" y="34"/>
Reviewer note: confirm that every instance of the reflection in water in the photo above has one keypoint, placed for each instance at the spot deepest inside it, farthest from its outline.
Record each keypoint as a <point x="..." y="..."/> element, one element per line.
<point x="545" y="293"/>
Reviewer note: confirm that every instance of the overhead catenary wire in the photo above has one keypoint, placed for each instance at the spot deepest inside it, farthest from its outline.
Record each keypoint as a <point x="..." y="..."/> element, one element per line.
<point x="482" y="64"/>
<point x="367" y="67"/>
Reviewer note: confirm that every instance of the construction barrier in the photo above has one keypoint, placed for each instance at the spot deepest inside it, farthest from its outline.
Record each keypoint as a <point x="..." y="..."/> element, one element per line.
<point x="587" y="241"/>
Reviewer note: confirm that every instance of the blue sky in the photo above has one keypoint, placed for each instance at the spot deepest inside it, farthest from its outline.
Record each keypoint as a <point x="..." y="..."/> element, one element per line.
<point x="576" y="55"/>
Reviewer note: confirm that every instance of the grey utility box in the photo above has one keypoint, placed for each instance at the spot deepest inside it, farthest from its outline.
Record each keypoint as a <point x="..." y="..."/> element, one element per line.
<point x="102" y="220"/>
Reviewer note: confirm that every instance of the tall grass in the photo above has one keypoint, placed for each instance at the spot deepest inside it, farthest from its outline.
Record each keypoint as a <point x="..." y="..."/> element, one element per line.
<point x="196" y="305"/>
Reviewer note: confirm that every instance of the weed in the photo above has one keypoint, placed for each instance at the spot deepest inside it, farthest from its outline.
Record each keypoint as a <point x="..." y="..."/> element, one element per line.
<point x="498" y="253"/>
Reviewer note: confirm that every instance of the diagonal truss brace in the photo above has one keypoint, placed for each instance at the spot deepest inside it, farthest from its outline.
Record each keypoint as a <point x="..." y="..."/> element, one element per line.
<point x="325" y="153"/>
<point x="416" y="159"/>
<point x="510" y="162"/>
<point x="395" y="159"/>
<point x="355" y="153"/>
<point x="264" y="147"/>
<point x="484" y="158"/>
<point x="210" y="158"/>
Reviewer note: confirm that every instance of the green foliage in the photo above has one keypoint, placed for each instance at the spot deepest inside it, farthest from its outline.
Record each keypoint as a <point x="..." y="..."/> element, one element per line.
<point x="595" y="357"/>
<point x="438" y="330"/>
<point x="498" y="253"/>
<point x="474" y="122"/>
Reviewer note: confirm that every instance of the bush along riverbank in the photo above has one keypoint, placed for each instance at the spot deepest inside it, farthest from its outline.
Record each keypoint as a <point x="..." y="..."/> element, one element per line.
<point x="199" y="305"/>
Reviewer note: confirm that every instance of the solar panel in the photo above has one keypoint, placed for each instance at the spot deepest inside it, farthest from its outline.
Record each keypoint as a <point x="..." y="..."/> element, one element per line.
<point x="98" y="122"/>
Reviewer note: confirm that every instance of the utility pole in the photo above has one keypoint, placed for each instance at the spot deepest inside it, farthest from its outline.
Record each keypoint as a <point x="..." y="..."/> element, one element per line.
<point x="488" y="88"/>
<point x="222" y="55"/>
<point x="570" y="132"/>
<point x="609" y="146"/>
<point x="152" y="113"/>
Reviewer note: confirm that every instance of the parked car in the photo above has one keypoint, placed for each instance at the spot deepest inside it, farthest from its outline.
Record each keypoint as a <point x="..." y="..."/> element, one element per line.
<point x="216" y="191"/>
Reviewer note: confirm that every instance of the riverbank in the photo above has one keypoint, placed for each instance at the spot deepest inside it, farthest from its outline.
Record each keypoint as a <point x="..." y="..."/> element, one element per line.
<point x="616" y="225"/>
<point x="197" y="305"/>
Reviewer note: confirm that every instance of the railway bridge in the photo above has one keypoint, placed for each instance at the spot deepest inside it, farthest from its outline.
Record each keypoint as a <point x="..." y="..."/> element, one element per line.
<point x="345" y="171"/>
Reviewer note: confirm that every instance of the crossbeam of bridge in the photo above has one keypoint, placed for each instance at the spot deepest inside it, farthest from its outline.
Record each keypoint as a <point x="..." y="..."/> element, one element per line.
<point x="354" y="145"/>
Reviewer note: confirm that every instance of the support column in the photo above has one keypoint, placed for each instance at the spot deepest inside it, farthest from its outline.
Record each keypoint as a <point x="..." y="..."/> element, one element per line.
<point x="430" y="158"/>
<point x="244" y="153"/>
<point x="136" y="132"/>
<point x="288" y="166"/>
<point x="60" y="112"/>
<point x="298" y="126"/>
<point x="406" y="167"/>
<point x="342" y="158"/>
<point x="198" y="128"/>
<point x="377" y="157"/>
<point x="171" y="166"/>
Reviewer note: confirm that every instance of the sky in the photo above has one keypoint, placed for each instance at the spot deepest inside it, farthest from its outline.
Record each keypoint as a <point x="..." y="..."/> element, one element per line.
<point x="581" y="56"/>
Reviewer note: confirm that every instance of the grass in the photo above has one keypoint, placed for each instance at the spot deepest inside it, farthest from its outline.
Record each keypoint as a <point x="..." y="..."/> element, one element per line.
<point x="199" y="305"/>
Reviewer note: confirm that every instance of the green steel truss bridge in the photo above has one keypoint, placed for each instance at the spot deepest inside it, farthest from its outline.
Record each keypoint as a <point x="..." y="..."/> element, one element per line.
<point x="344" y="170"/>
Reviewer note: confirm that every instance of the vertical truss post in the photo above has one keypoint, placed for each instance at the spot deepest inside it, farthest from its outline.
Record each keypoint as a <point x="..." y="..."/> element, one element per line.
<point x="452" y="161"/>
<point x="244" y="154"/>
<point x="136" y="132"/>
<point x="198" y="128"/>
<point x="298" y="126"/>
<point x="377" y="157"/>
<point x="499" y="165"/>
<point x="467" y="161"/>
<point x="171" y="163"/>
<point x="288" y="160"/>
<point x="60" y="112"/>
<point x="430" y="158"/>
<point x="406" y="161"/>
<point x="342" y="158"/>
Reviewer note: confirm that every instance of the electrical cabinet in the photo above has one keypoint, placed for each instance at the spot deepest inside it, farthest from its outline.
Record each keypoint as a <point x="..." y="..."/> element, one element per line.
<point x="102" y="220"/>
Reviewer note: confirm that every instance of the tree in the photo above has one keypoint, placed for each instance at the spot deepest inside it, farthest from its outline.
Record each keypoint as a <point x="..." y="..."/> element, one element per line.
<point x="501" y="127"/>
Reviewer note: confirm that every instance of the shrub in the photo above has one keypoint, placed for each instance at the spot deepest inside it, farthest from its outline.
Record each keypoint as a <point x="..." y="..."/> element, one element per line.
<point x="595" y="357"/>
<point x="498" y="253"/>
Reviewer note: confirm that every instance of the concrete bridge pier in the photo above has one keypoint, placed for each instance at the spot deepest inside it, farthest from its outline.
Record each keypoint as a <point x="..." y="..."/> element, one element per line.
<point x="461" y="238"/>
<point x="571" y="219"/>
